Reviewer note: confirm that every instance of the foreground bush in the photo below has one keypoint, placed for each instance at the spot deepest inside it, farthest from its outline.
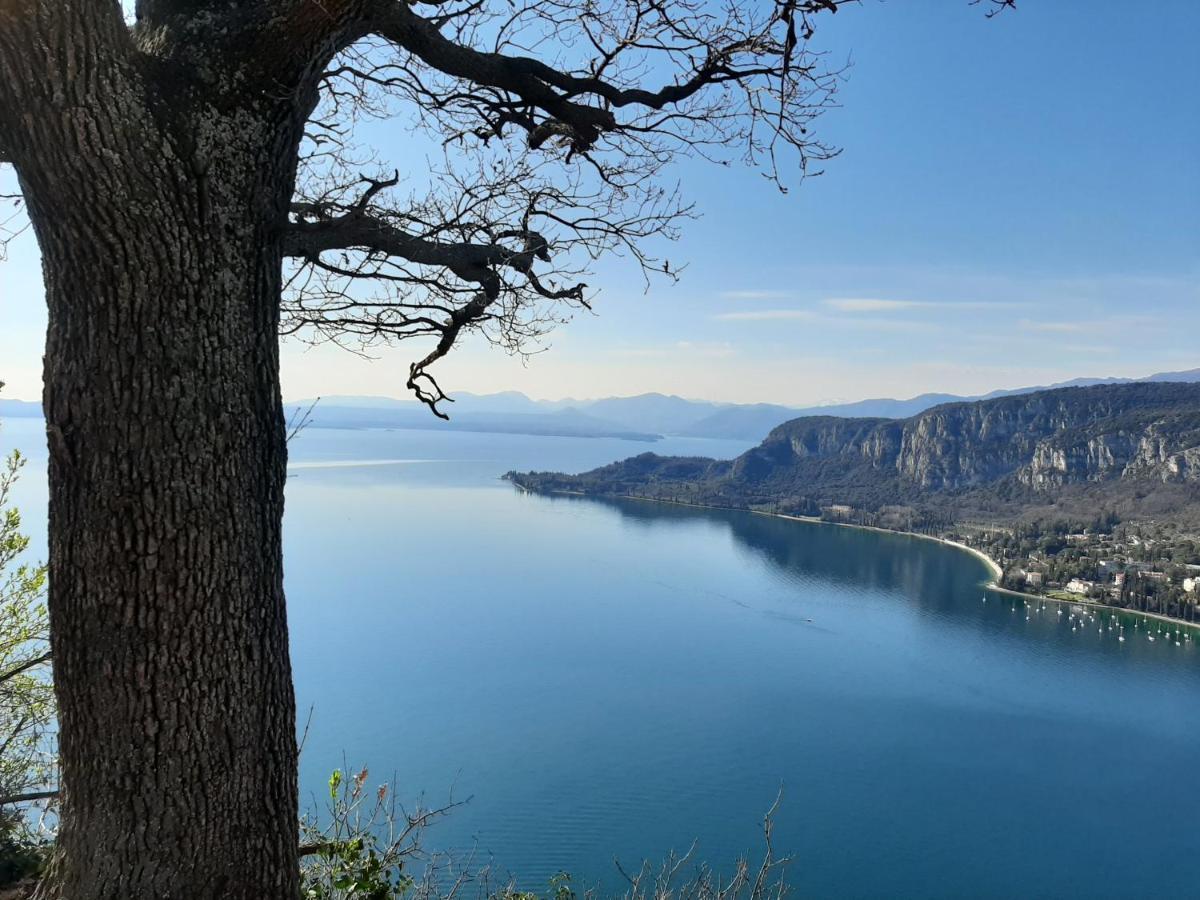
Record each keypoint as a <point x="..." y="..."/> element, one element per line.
<point x="370" y="846"/>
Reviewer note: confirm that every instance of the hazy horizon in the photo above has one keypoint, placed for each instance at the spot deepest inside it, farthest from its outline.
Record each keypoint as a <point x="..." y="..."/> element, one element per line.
<point x="6" y="394"/>
<point x="831" y="401"/>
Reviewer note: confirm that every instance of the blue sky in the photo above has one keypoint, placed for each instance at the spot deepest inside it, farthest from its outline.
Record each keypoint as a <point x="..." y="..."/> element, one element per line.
<point x="1017" y="202"/>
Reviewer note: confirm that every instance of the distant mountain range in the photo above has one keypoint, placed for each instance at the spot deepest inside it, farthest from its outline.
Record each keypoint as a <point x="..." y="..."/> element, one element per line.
<point x="753" y="421"/>
<point x="646" y="417"/>
<point x="1131" y="449"/>
<point x="502" y="418"/>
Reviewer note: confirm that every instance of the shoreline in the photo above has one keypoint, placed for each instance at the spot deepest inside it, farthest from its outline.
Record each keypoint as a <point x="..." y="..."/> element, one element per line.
<point x="996" y="570"/>
<point x="993" y="567"/>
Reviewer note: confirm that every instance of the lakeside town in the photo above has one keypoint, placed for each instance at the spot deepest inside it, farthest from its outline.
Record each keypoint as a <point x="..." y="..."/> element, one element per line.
<point x="1142" y="565"/>
<point x="1149" y="567"/>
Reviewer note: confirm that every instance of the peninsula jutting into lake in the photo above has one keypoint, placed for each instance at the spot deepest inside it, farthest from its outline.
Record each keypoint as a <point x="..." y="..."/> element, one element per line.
<point x="1090" y="492"/>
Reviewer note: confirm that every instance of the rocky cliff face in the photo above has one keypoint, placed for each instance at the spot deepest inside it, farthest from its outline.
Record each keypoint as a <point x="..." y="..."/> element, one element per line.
<point x="1114" y="442"/>
<point x="1156" y="452"/>
<point x="1044" y="440"/>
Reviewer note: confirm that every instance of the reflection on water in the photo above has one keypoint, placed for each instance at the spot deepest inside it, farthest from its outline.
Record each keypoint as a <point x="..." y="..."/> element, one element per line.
<point x="841" y="555"/>
<point x="926" y="573"/>
<point x="619" y="678"/>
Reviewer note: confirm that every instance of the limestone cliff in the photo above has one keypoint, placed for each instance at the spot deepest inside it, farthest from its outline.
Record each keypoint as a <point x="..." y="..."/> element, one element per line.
<point x="1030" y="446"/>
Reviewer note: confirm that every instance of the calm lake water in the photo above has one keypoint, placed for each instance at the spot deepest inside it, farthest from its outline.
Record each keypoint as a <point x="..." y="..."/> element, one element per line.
<point x="617" y="679"/>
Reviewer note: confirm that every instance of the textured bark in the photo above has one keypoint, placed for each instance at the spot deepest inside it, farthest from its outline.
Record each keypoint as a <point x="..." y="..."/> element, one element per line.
<point x="167" y="462"/>
<point x="166" y="591"/>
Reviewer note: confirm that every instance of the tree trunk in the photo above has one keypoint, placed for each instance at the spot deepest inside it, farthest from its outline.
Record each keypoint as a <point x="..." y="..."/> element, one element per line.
<point x="167" y="467"/>
<point x="167" y="611"/>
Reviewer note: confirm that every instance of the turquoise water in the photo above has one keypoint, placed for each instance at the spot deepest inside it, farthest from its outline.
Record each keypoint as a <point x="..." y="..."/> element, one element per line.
<point x="617" y="679"/>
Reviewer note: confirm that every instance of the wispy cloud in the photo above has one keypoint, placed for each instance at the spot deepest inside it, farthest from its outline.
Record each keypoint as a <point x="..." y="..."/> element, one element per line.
<point x="1056" y="327"/>
<point x="871" y="304"/>
<point x="756" y="295"/>
<point x="693" y="349"/>
<point x="831" y="322"/>
<point x="1094" y="325"/>
<point x="766" y="315"/>
<point x="1088" y="349"/>
<point x="874" y="304"/>
<point x="715" y="349"/>
<point x="868" y="323"/>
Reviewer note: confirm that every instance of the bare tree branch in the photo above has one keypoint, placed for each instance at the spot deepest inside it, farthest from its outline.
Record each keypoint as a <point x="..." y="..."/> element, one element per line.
<point x="24" y="667"/>
<point x="498" y="250"/>
<point x="997" y="6"/>
<point x="297" y="422"/>
<point x="556" y="121"/>
<point x="741" y="74"/>
<point x="28" y="798"/>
